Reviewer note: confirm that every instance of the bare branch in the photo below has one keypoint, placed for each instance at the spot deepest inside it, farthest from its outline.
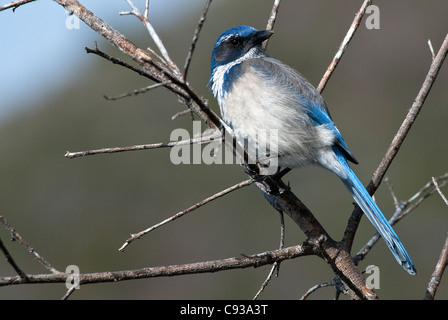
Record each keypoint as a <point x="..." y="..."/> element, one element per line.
<point x="276" y="265"/>
<point x="11" y="261"/>
<point x="188" y="210"/>
<point x="257" y="260"/>
<point x="147" y="9"/>
<point x="271" y="21"/>
<point x="181" y="113"/>
<point x="119" y="62"/>
<point x="195" y="39"/>
<point x="15" y="4"/>
<point x="68" y="293"/>
<point x="434" y="181"/>
<point x="431" y="49"/>
<point x="268" y="279"/>
<point x="316" y="287"/>
<point x="137" y="91"/>
<point x="436" y="276"/>
<point x="138" y="71"/>
<point x="198" y="140"/>
<point x="351" y="31"/>
<point x="22" y="241"/>
<point x="392" y="192"/>
<point x="152" y="32"/>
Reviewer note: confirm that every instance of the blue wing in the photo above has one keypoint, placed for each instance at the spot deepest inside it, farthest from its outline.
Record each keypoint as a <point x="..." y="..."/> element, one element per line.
<point x="320" y="115"/>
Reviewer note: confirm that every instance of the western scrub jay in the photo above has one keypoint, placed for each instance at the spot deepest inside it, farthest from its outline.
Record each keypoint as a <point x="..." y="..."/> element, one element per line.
<point x="255" y="91"/>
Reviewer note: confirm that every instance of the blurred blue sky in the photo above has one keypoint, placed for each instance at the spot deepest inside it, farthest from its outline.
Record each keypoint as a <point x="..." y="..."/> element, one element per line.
<point x="30" y="63"/>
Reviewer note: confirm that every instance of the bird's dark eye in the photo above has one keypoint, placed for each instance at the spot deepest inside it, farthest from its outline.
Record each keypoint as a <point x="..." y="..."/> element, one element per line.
<point x="235" y="42"/>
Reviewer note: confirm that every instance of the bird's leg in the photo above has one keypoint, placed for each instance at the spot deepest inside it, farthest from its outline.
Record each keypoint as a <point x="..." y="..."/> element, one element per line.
<point x="280" y="173"/>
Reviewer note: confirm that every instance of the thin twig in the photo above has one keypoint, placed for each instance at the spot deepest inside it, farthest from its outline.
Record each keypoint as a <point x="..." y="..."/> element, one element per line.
<point x="437" y="274"/>
<point x="316" y="287"/>
<point x="434" y="181"/>
<point x="152" y="32"/>
<point x="431" y="49"/>
<point x="161" y="60"/>
<point x="138" y="71"/>
<point x="198" y="140"/>
<point x="351" y="31"/>
<point x="69" y="292"/>
<point x="147" y="9"/>
<point x="392" y="192"/>
<point x="195" y="39"/>
<point x="15" y="4"/>
<point x="181" y="113"/>
<point x="138" y="91"/>
<point x="11" y="261"/>
<point x="22" y="241"/>
<point x="276" y="266"/>
<point x="266" y="282"/>
<point x="184" y="212"/>
<point x="119" y="62"/>
<point x="271" y="21"/>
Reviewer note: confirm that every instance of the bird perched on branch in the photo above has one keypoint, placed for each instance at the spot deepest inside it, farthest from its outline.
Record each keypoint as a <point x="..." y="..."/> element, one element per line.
<point x="255" y="91"/>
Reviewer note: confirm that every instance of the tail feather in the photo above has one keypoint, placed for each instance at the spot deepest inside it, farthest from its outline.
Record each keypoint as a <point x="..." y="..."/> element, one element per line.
<point x="376" y="217"/>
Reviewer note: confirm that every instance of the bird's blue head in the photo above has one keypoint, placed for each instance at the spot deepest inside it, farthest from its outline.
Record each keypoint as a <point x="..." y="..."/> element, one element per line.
<point x="234" y="46"/>
<point x="235" y="43"/>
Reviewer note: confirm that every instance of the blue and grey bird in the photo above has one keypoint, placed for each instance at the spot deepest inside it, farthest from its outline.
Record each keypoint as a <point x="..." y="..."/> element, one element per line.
<point x="255" y="91"/>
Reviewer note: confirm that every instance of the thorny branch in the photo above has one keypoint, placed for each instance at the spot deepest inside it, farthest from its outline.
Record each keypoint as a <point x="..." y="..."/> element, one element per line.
<point x="278" y="194"/>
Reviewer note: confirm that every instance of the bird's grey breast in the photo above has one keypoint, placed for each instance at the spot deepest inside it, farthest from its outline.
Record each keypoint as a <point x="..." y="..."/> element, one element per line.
<point x="265" y="94"/>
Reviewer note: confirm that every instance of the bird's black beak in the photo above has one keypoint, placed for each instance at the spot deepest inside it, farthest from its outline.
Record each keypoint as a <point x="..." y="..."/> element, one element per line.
<point x="261" y="36"/>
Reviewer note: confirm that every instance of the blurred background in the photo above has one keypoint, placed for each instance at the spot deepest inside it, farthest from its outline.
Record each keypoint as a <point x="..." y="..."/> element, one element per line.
<point x="80" y="211"/>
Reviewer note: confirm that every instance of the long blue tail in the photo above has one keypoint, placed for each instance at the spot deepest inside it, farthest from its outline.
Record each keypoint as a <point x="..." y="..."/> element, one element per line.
<point x="376" y="217"/>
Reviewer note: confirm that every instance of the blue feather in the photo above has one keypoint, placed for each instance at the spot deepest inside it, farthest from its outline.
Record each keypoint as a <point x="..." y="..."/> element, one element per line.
<point x="374" y="214"/>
